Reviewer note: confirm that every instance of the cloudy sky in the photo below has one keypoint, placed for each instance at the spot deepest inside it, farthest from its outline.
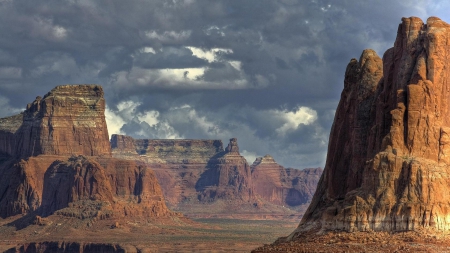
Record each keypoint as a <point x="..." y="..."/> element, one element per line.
<point x="268" y="72"/>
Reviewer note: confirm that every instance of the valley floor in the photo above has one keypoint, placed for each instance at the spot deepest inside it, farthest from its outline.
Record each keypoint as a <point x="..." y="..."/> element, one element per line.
<point x="176" y="235"/>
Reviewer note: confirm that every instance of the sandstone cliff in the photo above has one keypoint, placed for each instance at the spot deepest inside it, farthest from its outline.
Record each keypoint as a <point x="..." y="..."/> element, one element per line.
<point x="202" y="179"/>
<point x="55" y="158"/>
<point x="228" y="177"/>
<point x="284" y="186"/>
<point x="68" y="120"/>
<point x="388" y="153"/>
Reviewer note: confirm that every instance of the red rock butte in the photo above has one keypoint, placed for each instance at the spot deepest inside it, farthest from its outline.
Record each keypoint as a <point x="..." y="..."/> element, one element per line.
<point x="388" y="159"/>
<point x="202" y="179"/>
<point x="69" y="120"/>
<point x="55" y="157"/>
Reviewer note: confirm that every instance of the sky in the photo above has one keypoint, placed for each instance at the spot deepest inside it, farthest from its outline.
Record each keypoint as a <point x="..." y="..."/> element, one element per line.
<point x="268" y="72"/>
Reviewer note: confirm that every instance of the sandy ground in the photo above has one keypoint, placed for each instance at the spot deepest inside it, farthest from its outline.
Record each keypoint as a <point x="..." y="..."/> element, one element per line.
<point x="165" y="235"/>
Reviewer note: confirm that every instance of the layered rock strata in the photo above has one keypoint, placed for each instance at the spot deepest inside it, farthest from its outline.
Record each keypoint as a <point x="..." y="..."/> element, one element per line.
<point x="202" y="179"/>
<point x="68" y="120"/>
<point x="228" y="177"/>
<point x="166" y="151"/>
<point x="56" y="158"/>
<point x="388" y="154"/>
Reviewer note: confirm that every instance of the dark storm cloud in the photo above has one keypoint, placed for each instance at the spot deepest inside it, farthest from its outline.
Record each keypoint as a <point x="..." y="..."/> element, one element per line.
<point x="200" y="68"/>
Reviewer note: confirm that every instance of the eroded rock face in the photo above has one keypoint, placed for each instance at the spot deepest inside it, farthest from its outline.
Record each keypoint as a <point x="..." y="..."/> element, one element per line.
<point x="56" y="158"/>
<point x="68" y="120"/>
<point x="387" y="161"/>
<point x="228" y="177"/>
<point x="284" y="186"/>
<point x="202" y="179"/>
<point x="21" y="185"/>
<point x="73" y="180"/>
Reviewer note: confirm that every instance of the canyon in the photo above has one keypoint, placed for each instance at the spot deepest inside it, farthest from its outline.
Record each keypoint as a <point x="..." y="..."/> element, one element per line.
<point x="64" y="183"/>
<point x="201" y="179"/>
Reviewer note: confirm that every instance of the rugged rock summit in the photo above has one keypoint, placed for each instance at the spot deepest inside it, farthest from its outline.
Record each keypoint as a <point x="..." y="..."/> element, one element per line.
<point x="388" y="154"/>
<point x="66" y="121"/>
<point x="229" y="177"/>
<point x="55" y="157"/>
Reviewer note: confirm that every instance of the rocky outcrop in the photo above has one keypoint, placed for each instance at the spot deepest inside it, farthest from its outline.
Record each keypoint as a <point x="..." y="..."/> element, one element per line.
<point x="387" y="161"/>
<point x="202" y="179"/>
<point x="68" y="120"/>
<point x="74" y="180"/>
<point x="284" y="186"/>
<point x="228" y="177"/>
<point x="55" y="158"/>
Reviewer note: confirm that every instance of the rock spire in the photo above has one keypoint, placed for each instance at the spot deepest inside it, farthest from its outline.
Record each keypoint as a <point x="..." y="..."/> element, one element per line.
<point x="389" y="153"/>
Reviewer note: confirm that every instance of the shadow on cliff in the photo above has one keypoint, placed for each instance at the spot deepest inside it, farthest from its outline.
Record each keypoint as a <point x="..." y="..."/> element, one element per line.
<point x="295" y="198"/>
<point x="34" y="216"/>
<point x="210" y="177"/>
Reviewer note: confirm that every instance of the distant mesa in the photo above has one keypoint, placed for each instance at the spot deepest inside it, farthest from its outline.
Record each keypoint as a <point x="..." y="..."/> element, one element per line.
<point x="55" y="158"/>
<point x="202" y="179"/>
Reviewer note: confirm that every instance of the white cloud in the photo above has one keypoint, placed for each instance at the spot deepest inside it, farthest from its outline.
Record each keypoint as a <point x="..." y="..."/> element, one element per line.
<point x="149" y="50"/>
<point x="249" y="156"/>
<point x="114" y="122"/>
<point x="187" y="78"/>
<point x="293" y="119"/>
<point x="209" y="55"/>
<point x="150" y="117"/>
<point x="236" y="64"/>
<point x="188" y="116"/>
<point x="59" y="32"/>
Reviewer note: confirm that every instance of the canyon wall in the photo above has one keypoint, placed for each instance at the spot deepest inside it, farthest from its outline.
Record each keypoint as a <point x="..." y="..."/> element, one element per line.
<point x="55" y="157"/>
<point x="202" y="179"/>
<point x="69" y="120"/>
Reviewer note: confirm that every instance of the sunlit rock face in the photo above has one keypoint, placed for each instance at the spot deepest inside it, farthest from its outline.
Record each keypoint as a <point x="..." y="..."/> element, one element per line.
<point x="388" y="154"/>
<point x="68" y="120"/>
<point x="55" y="158"/>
